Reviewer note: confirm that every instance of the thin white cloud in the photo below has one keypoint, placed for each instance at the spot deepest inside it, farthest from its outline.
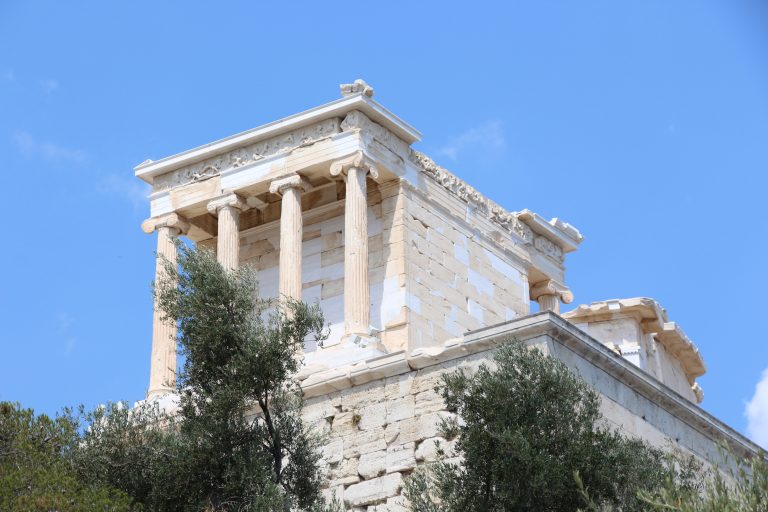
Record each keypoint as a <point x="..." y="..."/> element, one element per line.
<point x="54" y="153"/>
<point x="128" y="188"/>
<point x="488" y="138"/>
<point x="49" y="85"/>
<point x="757" y="412"/>
<point x="64" y="322"/>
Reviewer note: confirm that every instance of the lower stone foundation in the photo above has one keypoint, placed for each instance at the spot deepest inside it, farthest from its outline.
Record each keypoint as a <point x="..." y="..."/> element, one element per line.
<point x="381" y="418"/>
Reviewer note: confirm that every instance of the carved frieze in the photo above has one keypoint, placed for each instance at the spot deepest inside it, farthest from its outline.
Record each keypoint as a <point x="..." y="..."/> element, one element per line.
<point x="248" y="154"/>
<point x="548" y="247"/>
<point x="470" y="195"/>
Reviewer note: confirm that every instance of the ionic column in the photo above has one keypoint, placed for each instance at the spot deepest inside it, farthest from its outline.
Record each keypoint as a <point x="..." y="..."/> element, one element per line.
<point x="357" y="294"/>
<point x="227" y="208"/>
<point x="290" y="188"/>
<point x="549" y="294"/>
<point x="162" y="371"/>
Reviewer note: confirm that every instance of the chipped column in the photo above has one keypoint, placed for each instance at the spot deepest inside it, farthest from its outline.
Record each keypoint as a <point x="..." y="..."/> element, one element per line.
<point x="291" y="229"/>
<point x="228" y="208"/>
<point x="549" y="294"/>
<point x="162" y="371"/>
<point x="357" y="294"/>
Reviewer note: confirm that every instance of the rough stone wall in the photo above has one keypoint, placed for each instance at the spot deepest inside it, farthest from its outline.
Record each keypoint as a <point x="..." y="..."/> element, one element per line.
<point x="377" y="433"/>
<point x="456" y="280"/>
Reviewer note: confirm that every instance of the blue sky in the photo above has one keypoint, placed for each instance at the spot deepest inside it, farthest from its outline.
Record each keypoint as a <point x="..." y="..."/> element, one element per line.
<point x="642" y="123"/>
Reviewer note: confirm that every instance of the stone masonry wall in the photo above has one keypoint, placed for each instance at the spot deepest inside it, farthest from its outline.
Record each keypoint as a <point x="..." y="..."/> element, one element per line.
<point x="456" y="280"/>
<point x="378" y="432"/>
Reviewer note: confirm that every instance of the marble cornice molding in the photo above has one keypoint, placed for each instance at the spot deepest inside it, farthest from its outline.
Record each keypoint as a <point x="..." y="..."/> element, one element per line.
<point x="239" y="157"/>
<point x="551" y="287"/>
<point x="359" y="161"/>
<point x="279" y="185"/>
<point x="513" y="222"/>
<point x="232" y="200"/>
<point x="170" y="220"/>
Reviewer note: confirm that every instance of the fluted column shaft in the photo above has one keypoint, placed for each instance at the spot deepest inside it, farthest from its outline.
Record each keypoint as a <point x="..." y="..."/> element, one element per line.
<point x="162" y="377"/>
<point x="162" y="371"/>
<point x="228" y="243"/>
<point x="228" y="208"/>
<point x="549" y="303"/>
<point x="291" y="233"/>
<point x="357" y="295"/>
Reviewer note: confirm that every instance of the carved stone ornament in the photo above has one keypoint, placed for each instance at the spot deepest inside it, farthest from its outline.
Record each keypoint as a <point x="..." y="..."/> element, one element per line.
<point x="468" y="194"/>
<point x="357" y="87"/>
<point x="549" y="248"/>
<point x="171" y="220"/>
<point x="550" y="287"/>
<point x="359" y="161"/>
<point x="371" y="131"/>
<point x="293" y="181"/>
<point x="246" y="155"/>
<point x="233" y="200"/>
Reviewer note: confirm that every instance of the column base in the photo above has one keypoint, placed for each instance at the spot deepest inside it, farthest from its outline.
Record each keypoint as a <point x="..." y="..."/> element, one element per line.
<point x="352" y="348"/>
<point x="166" y="401"/>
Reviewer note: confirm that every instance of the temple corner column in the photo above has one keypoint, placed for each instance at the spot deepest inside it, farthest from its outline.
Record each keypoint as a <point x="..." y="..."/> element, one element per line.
<point x="162" y="373"/>
<point x="357" y="294"/>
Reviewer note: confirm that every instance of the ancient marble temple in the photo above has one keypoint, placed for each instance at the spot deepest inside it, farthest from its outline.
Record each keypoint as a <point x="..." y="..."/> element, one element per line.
<point x="417" y="273"/>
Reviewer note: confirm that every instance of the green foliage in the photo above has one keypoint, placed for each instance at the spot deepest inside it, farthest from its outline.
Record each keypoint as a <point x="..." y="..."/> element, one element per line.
<point x="528" y="426"/>
<point x="238" y="442"/>
<point x="738" y="485"/>
<point x="35" y="475"/>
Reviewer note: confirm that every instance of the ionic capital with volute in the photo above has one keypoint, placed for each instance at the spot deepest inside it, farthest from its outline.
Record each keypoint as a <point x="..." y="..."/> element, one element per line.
<point x="170" y="220"/>
<point x="357" y="161"/>
<point x="231" y="200"/>
<point x="280" y="185"/>
<point x="549" y="294"/>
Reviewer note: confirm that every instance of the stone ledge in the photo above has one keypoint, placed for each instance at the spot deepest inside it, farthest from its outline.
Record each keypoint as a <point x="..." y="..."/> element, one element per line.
<point x="527" y="328"/>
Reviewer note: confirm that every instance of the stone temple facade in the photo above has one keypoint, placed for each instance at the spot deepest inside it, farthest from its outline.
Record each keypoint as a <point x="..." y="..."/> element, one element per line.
<point x="417" y="273"/>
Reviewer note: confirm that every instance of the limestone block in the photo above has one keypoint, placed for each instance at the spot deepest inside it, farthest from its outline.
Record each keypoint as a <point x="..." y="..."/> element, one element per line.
<point x="428" y="401"/>
<point x="399" y="386"/>
<point x="333" y="451"/>
<point x="358" y="397"/>
<point x="372" y="491"/>
<point x="362" y="442"/>
<point x="400" y="458"/>
<point x="400" y="409"/>
<point x="343" y="423"/>
<point x="372" y="465"/>
<point x="372" y="416"/>
<point x="417" y="428"/>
